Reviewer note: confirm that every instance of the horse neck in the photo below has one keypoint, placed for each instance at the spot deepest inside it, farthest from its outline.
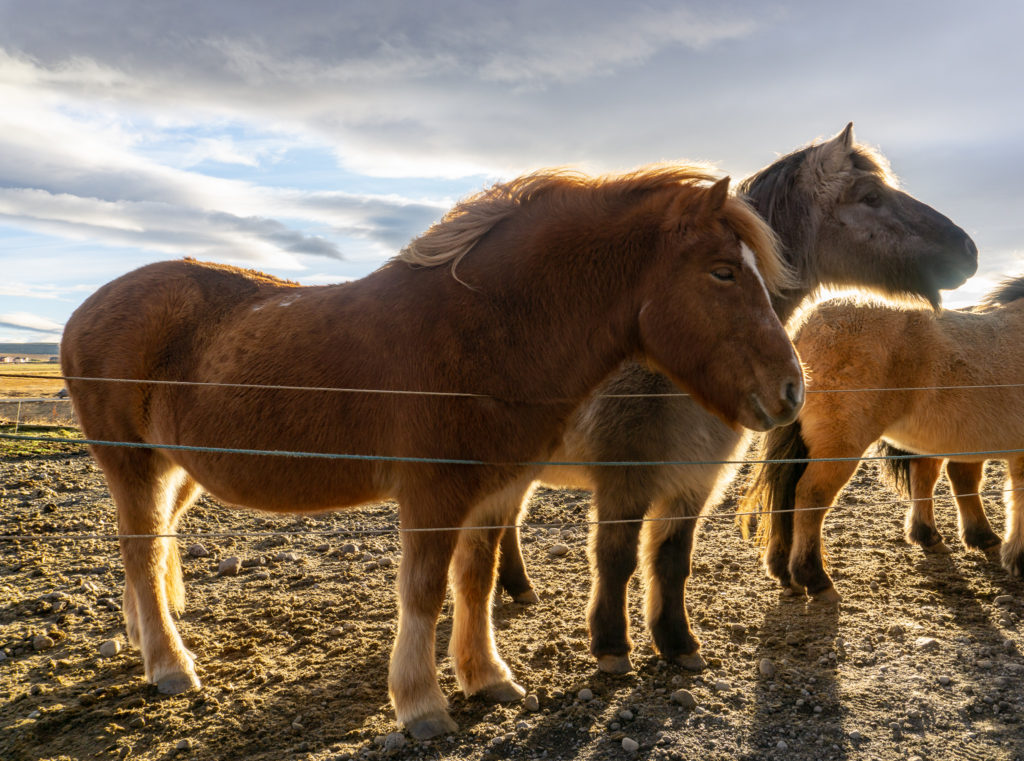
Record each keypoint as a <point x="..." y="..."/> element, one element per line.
<point x="576" y="283"/>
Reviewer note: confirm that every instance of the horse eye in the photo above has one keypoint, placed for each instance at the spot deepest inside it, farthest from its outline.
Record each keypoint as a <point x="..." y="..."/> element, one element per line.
<point x="725" y="274"/>
<point x="871" y="199"/>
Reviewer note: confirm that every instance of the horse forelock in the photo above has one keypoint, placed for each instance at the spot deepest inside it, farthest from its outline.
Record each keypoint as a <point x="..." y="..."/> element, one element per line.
<point x="1009" y="290"/>
<point x="762" y="240"/>
<point x="459" y="230"/>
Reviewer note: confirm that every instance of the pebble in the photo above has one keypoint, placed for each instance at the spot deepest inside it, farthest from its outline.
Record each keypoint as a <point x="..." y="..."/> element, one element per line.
<point x="945" y="681"/>
<point x="927" y="644"/>
<point x="110" y="648"/>
<point x="722" y="686"/>
<point x="558" y="550"/>
<point x="185" y="744"/>
<point x="586" y="694"/>
<point x="347" y="549"/>
<point x="531" y="703"/>
<point x="229" y="566"/>
<point x="198" y="551"/>
<point x="626" y="715"/>
<point x="1003" y="600"/>
<point x="767" y="668"/>
<point x="684" y="698"/>
<point x="42" y="642"/>
<point x="286" y="557"/>
<point x="856" y="736"/>
<point x="895" y="630"/>
<point x="394" y="741"/>
<point x="782" y="745"/>
<point x="630" y="745"/>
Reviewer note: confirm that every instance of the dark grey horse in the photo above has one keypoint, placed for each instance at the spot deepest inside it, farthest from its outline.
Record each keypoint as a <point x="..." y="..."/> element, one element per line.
<point x="842" y="222"/>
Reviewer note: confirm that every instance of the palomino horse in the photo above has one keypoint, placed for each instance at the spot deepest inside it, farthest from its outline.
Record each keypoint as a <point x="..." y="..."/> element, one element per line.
<point x="842" y="223"/>
<point x="555" y="280"/>
<point x="910" y="377"/>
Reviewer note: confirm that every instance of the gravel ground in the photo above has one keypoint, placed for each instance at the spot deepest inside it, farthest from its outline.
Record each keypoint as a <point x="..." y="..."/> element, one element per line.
<point x="920" y="660"/>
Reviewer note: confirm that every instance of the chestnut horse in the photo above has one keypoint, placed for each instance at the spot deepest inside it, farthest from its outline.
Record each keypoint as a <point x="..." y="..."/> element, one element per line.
<point x="939" y="384"/>
<point x="842" y="222"/>
<point x="555" y="280"/>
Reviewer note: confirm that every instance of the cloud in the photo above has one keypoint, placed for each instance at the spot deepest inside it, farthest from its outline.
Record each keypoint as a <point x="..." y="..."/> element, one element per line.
<point x="26" y="321"/>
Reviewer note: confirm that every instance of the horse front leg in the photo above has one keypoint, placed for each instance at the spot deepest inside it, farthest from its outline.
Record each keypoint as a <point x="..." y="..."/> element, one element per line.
<point x="512" y="576"/>
<point x="613" y="557"/>
<point x="667" y="554"/>
<point x="815" y="493"/>
<point x="1013" y="545"/>
<point x="975" y="530"/>
<point x="478" y="667"/>
<point x="412" y="680"/>
<point x="919" y="524"/>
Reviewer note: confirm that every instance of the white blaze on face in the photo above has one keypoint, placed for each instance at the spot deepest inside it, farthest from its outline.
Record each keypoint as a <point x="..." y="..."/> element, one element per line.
<point x="751" y="261"/>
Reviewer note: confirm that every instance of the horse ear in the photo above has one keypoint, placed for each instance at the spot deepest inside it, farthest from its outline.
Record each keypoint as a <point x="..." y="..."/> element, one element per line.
<point x="716" y="196"/>
<point x="835" y="152"/>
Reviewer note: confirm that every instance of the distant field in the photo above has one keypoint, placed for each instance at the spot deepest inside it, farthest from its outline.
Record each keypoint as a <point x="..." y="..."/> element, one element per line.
<point x="29" y="386"/>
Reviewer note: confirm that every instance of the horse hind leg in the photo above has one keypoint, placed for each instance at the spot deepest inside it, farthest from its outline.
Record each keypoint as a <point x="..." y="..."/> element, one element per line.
<point x="1013" y="545"/>
<point x="919" y="523"/>
<point x="150" y="494"/>
<point x="975" y="531"/>
<point x="667" y="553"/>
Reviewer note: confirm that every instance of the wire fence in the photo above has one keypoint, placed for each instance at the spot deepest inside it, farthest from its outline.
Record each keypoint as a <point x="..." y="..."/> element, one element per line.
<point x="987" y="454"/>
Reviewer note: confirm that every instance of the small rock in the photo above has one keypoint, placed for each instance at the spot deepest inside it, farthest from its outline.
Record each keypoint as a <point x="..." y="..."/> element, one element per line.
<point x="531" y="703"/>
<point x="347" y="549"/>
<point x="767" y="668"/>
<point x="895" y="630"/>
<point x="385" y="562"/>
<point x="286" y="557"/>
<point x="394" y="741"/>
<point x="722" y="686"/>
<point x="185" y="744"/>
<point x="1003" y="600"/>
<point x="198" y="551"/>
<point x="945" y="681"/>
<point x="626" y="715"/>
<point x="586" y="694"/>
<point x="738" y="630"/>
<point x="110" y="648"/>
<point x="630" y="745"/>
<point x="782" y="745"/>
<point x="558" y="550"/>
<point x="856" y="736"/>
<point x="229" y="566"/>
<point x="927" y="644"/>
<point x="684" y="698"/>
<point x="42" y="642"/>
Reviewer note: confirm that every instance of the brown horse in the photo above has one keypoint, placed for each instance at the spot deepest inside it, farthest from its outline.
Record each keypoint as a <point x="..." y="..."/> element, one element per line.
<point x="842" y="222"/>
<point x="556" y="279"/>
<point x="922" y="372"/>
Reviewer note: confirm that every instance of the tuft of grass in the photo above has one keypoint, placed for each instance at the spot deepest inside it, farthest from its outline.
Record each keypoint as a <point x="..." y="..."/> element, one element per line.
<point x="22" y="449"/>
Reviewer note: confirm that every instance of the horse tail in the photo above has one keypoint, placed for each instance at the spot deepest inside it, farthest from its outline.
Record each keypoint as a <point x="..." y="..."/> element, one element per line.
<point x="895" y="468"/>
<point x="772" y="485"/>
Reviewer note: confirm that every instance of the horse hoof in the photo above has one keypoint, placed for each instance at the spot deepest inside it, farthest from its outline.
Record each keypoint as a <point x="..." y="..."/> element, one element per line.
<point x="614" y="664"/>
<point x="691" y="662"/>
<point x="175" y="684"/>
<point x="431" y="726"/>
<point x="939" y="548"/>
<point x="994" y="553"/>
<point x="793" y="590"/>
<point x="827" y="596"/>
<point x="502" y="692"/>
<point x="527" y="598"/>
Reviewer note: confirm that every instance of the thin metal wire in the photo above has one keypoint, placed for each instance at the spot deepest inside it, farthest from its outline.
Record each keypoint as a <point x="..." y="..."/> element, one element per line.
<point x="461" y="394"/>
<point x="346" y="532"/>
<point x="993" y="454"/>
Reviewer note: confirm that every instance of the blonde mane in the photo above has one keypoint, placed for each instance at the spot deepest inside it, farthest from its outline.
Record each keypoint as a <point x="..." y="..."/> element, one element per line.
<point x="459" y="230"/>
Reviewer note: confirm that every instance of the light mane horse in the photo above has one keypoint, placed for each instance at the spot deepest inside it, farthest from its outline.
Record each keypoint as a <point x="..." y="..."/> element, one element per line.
<point x="946" y="386"/>
<point x="567" y="277"/>
<point x="842" y="222"/>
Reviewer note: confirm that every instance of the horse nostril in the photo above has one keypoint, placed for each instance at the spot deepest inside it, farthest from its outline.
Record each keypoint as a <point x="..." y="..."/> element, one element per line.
<point x="793" y="395"/>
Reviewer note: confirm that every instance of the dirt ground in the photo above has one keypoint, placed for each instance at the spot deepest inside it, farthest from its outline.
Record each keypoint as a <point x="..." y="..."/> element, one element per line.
<point x="920" y="660"/>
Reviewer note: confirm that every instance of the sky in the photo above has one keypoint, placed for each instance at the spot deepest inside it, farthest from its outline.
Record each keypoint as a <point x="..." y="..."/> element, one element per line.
<point x="313" y="139"/>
